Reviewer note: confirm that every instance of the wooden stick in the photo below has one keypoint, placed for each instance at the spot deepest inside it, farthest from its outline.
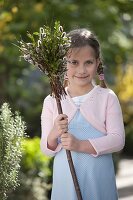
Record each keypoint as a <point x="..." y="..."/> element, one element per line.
<point x="69" y="158"/>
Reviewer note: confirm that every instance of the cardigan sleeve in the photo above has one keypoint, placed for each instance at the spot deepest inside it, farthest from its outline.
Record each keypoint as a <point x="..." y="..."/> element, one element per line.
<point x="46" y="126"/>
<point x="114" y="139"/>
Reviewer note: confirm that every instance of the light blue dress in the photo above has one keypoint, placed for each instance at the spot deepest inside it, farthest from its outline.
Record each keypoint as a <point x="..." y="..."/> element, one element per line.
<point x="95" y="175"/>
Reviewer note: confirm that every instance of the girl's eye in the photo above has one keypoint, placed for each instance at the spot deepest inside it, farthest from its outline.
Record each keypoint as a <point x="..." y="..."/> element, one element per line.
<point x="89" y="62"/>
<point x="73" y="62"/>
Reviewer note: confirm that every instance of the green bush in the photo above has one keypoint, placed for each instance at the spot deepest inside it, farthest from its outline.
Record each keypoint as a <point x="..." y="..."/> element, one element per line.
<point x="12" y="133"/>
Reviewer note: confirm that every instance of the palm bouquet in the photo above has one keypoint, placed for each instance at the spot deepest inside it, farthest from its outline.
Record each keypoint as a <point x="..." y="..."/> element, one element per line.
<point x="46" y="50"/>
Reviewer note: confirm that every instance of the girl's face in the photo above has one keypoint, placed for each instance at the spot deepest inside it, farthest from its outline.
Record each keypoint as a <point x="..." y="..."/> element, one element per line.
<point x="81" y="66"/>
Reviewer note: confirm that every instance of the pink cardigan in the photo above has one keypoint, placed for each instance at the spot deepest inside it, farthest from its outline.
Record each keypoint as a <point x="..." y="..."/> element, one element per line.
<point x="101" y="109"/>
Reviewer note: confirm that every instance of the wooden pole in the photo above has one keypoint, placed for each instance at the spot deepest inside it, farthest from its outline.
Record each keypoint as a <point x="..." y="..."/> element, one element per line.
<point x="69" y="158"/>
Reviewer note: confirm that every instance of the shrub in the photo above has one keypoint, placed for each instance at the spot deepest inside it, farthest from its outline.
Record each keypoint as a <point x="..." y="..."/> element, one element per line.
<point x="12" y="131"/>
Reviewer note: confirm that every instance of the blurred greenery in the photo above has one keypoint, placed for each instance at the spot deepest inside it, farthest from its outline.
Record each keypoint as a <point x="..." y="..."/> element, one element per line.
<point x="24" y="87"/>
<point x="35" y="173"/>
<point x="33" y="161"/>
<point x="124" y="90"/>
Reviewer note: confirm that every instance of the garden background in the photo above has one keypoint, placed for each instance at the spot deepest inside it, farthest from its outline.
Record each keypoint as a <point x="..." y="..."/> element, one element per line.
<point x="24" y="87"/>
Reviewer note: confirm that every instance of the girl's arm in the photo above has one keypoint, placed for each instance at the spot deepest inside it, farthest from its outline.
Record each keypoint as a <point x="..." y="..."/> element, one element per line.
<point x="51" y="141"/>
<point x="114" y="140"/>
<point x="86" y="147"/>
<point x="46" y="126"/>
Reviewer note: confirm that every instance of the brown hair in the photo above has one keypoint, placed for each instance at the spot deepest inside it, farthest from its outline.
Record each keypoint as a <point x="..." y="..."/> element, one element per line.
<point x="83" y="37"/>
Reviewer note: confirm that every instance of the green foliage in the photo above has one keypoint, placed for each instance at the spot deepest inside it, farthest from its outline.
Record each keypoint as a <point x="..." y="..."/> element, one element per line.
<point x="12" y="132"/>
<point x="33" y="161"/>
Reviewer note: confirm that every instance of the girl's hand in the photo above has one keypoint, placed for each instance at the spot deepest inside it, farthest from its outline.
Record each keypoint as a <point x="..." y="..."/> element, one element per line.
<point x="70" y="142"/>
<point x="60" y="125"/>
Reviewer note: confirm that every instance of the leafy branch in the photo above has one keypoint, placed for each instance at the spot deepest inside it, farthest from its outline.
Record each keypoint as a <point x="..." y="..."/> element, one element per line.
<point x="46" y="50"/>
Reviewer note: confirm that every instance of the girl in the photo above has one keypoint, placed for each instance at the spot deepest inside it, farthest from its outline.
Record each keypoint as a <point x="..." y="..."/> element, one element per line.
<point x="91" y="128"/>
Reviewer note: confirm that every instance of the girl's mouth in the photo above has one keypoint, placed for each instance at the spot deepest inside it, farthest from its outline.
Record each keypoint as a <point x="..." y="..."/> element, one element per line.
<point x="82" y="77"/>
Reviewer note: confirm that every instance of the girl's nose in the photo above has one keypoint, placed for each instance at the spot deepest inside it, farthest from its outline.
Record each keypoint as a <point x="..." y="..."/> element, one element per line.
<point x="81" y="69"/>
